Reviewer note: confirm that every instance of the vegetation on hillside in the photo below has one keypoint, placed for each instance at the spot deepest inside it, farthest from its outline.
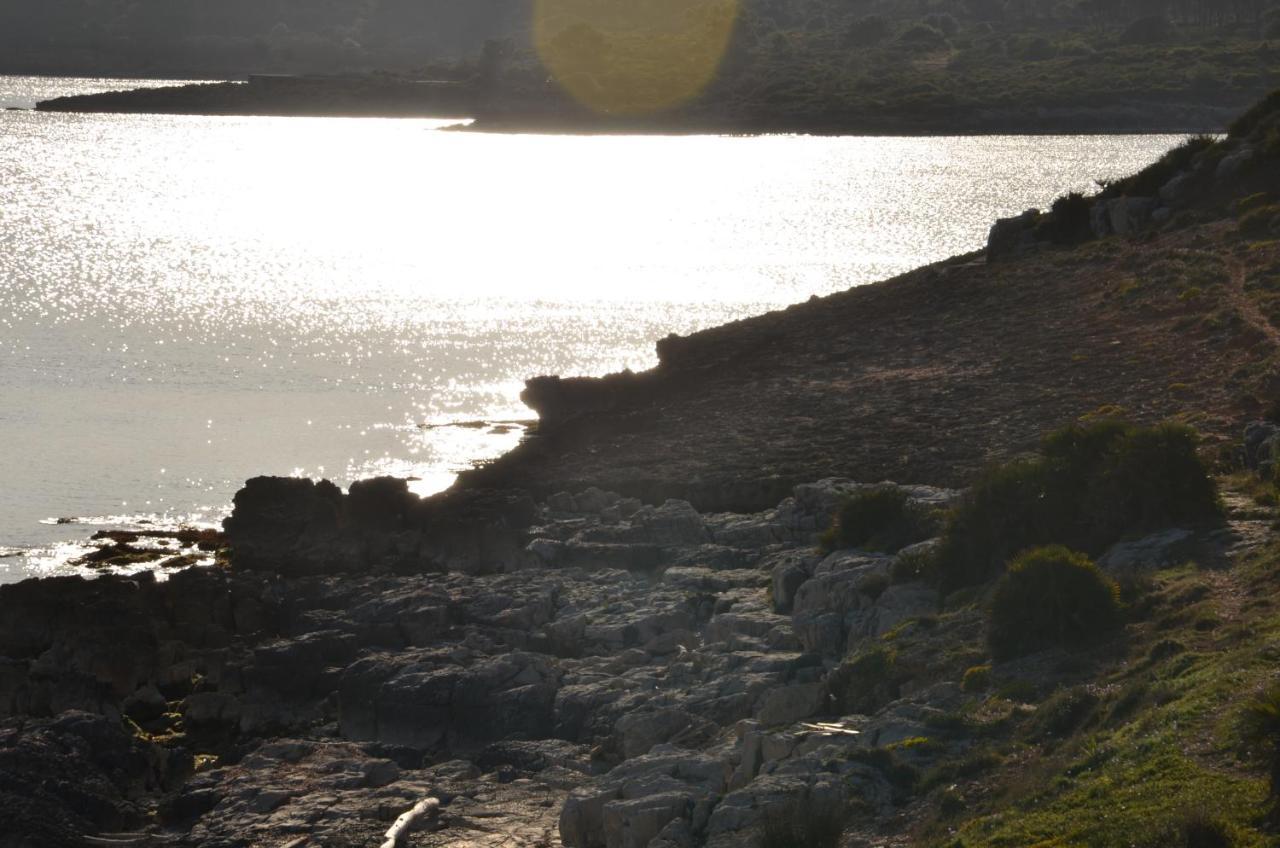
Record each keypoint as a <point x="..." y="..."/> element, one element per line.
<point x="1088" y="486"/>
<point x="879" y="518"/>
<point x="1096" y="715"/>
<point x="869" y="64"/>
<point x="1051" y="597"/>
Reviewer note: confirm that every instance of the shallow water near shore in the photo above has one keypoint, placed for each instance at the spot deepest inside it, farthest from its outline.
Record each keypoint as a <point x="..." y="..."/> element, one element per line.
<point x="186" y="302"/>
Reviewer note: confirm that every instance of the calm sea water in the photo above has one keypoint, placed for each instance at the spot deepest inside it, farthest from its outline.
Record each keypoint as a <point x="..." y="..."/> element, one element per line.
<point x="186" y="302"/>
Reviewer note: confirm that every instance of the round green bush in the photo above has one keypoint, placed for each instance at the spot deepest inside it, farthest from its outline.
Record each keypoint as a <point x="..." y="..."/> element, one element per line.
<point x="1051" y="597"/>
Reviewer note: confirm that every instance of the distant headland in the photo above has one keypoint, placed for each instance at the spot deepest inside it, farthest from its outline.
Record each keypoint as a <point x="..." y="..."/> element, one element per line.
<point x="547" y="108"/>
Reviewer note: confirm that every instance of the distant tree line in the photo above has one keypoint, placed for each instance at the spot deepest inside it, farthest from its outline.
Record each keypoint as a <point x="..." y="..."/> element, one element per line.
<point x="783" y="58"/>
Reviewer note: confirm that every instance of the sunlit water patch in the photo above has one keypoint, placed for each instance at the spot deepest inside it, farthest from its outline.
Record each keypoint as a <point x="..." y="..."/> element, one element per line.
<point x="187" y="302"/>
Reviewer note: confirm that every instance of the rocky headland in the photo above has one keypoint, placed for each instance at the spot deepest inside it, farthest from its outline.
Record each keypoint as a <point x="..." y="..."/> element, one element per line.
<point x="659" y="623"/>
<point x="369" y="95"/>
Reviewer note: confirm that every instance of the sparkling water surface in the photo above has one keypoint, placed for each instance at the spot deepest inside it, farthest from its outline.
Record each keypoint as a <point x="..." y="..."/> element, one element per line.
<point x="186" y="302"/>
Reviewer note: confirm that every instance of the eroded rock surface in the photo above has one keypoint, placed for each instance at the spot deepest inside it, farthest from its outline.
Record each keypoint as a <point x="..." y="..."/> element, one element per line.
<point x="624" y="675"/>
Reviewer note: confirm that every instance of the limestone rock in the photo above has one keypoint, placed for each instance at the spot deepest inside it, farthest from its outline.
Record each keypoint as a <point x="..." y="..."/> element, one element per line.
<point x="1127" y="215"/>
<point x="792" y="703"/>
<point x="1157" y="550"/>
<point x="1234" y="163"/>
<point x="1261" y="446"/>
<point x="635" y="734"/>
<point x="633" y="823"/>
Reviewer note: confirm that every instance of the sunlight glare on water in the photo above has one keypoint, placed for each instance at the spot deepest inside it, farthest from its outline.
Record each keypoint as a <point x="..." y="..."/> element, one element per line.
<point x="187" y="302"/>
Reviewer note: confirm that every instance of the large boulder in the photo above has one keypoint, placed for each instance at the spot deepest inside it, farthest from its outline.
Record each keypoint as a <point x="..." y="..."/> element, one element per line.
<point x="1155" y="550"/>
<point x="640" y="798"/>
<point x="635" y="734"/>
<point x="286" y="525"/>
<point x="1233" y="164"/>
<point x="1011" y="236"/>
<point x="428" y="701"/>
<point x="634" y="822"/>
<point x="297" y="527"/>
<point x="1261" y="446"/>
<point x="828" y="605"/>
<point x="1127" y="215"/>
<point x="789" y="704"/>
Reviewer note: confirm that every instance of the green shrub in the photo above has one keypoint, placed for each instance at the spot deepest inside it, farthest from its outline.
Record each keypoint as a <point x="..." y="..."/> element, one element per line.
<point x="1151" y="179"/>
<point x="1261" y="113"/>
<point x="1253" y="201"/>
<point x="1260" y="221"/>
<point x="997" y="517"/>
<point x="902" y="776"/>
<point x="1090" y="485"/>
<point x="881" y="518"/>
<point x="1271" y="143"/>
<point x="865" y="683"/>
<point x="1021" y="691"/>
<point x="1051" y="597"/>
<point x="911" y="565"/>
<point x="1164" y="649"/>
<point x="1130" y="698"/>
<point x="1260" y="730"/>
<point x="1069" y="221"/>
<point x="1151" y="478"/>
<point x="976" y="679"/>
<point x="804" y="823"/>
<point x="973" y="763"/>
<point x="1063" y="712"/>
<point x="1197" y="829"/>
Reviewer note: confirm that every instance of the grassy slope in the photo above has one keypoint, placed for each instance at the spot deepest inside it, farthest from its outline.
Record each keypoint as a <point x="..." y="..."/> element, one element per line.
<point x="1124" y="745"/>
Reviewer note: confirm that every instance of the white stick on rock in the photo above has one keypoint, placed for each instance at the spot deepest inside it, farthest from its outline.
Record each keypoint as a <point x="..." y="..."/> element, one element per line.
<point x="405" y="823"/>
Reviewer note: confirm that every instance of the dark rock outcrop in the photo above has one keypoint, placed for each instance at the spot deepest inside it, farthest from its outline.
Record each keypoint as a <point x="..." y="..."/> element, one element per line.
<point x="76" y="774"/>
<point x="329" y="703"/>
<point x="295" y="527"/>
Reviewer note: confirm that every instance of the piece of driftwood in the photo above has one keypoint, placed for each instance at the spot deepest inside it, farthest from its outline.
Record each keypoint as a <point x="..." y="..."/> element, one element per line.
<point x="405" y="823"/>
<point x="827" y="727"/>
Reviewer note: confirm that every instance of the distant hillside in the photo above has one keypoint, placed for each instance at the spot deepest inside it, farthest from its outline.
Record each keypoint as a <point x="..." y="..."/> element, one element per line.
<point x="874" y="65"/>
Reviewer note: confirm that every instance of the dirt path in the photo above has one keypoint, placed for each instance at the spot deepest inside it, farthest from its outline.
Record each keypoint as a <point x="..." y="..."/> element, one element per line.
<point x="1245" y="305"/>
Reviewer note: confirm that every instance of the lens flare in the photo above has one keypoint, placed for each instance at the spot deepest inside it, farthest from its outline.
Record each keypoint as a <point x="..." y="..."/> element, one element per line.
<point x="619" y="57"/>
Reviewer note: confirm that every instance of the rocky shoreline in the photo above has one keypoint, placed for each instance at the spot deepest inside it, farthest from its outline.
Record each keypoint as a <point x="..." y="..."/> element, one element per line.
<point x="588" y="670"/>
<point x="615" y="670"/>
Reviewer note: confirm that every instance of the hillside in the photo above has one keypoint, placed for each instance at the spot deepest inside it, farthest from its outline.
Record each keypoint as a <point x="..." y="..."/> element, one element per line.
<point x="871" y="66"/>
